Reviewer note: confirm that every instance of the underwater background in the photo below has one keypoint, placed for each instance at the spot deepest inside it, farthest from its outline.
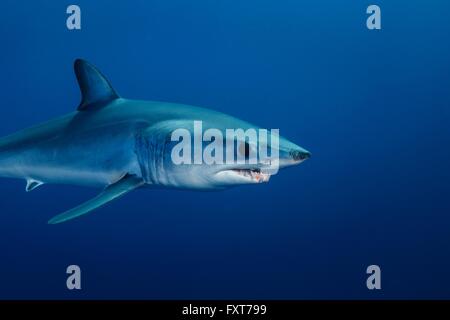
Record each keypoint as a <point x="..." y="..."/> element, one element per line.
<point x="373" y="107"/>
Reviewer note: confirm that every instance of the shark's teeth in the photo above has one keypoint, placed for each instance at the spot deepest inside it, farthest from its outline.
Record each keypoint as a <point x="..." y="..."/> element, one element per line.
<point x="254" y="174"/>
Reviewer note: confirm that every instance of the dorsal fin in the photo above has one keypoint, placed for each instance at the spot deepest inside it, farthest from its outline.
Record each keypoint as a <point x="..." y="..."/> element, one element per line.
<point x="95" y="88"/>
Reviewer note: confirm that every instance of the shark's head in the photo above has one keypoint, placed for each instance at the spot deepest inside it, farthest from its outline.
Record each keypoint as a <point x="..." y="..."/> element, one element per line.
<point x="213" y="151"/>
<point x="281" y="153"/>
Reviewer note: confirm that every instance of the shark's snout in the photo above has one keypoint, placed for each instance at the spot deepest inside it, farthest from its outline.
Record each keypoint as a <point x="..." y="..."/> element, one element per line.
<point x="291" y="154"/>
<point x="299" y="155"/>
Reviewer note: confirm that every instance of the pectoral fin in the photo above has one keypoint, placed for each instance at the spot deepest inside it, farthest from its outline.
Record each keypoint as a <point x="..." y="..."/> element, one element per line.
<point x="114" y="191"/>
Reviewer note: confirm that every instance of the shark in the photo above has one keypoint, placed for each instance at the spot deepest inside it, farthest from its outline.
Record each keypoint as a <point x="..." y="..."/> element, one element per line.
<point x="119" y="145"/>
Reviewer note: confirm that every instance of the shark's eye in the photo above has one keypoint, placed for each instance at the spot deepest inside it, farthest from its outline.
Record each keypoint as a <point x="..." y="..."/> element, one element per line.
<point x="244" y="149"/>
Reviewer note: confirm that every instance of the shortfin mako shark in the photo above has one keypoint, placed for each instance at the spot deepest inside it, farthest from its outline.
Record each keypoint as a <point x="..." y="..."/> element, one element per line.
<point x="121" y="145"/>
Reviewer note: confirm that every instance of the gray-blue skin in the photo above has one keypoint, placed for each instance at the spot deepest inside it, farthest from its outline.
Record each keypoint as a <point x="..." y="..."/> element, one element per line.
<point x="121" y="144"/>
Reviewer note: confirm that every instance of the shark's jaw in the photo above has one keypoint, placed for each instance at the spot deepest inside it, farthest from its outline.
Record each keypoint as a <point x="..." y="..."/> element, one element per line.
<point x="243" y="175"/>
<point x="253" y="174"/>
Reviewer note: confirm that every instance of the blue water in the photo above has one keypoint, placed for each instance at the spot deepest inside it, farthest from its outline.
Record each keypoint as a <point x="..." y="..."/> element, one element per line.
<point x="373" y="107"/>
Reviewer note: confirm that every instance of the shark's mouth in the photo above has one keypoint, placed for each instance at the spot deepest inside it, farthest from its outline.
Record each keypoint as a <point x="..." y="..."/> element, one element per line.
<point x="252" y="175"/>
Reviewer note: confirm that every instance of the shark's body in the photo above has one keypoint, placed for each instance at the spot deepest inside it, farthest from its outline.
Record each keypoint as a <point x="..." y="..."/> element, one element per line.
<point x="93" y="148"/>
<point x="122" y="145"/>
